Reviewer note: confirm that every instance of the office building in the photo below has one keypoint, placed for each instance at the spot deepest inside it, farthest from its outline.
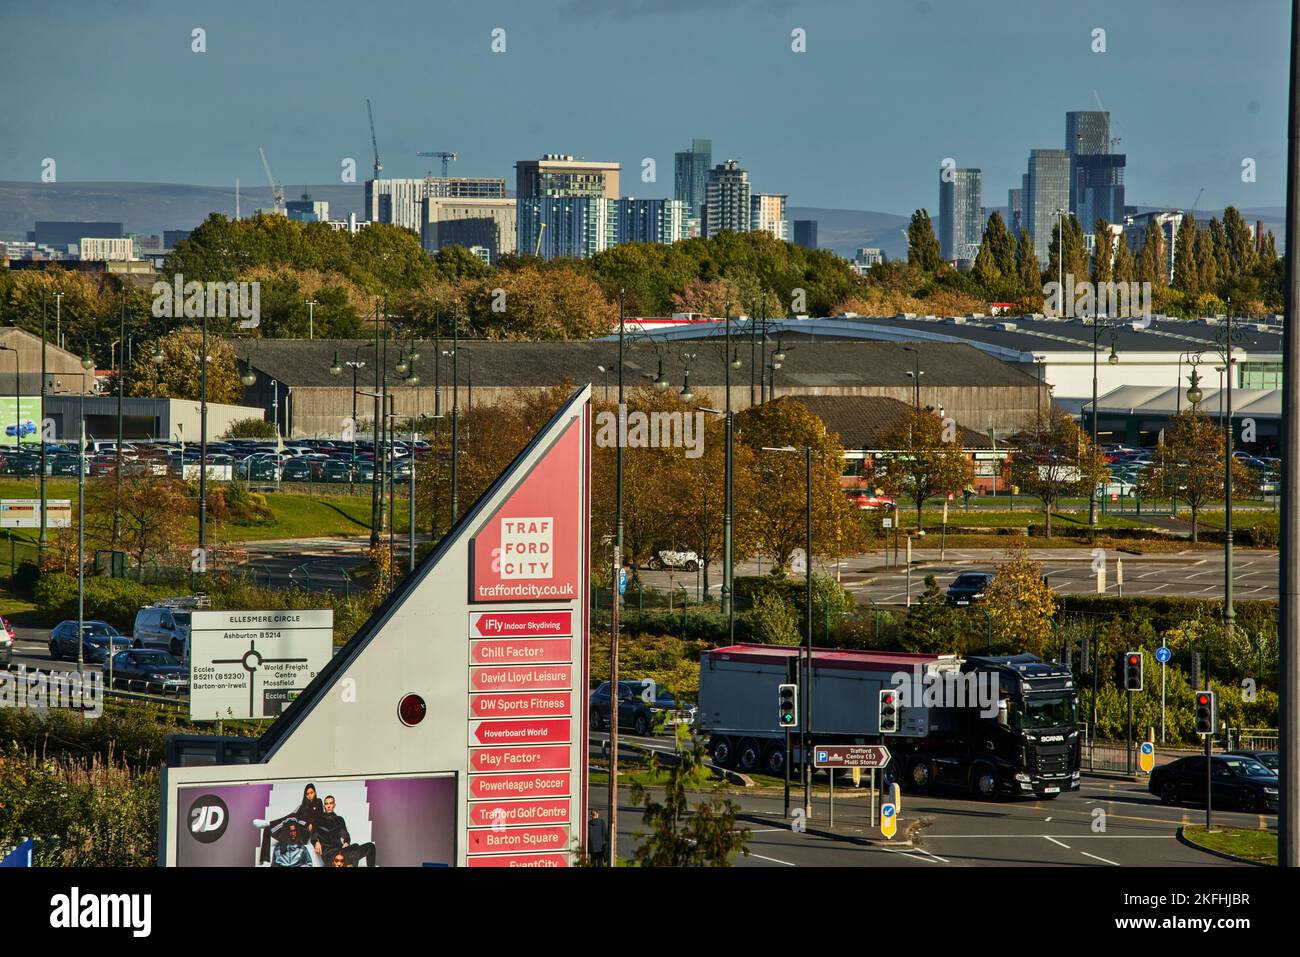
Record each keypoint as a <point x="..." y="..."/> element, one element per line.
<point x="1099" y="188"/>
<point x="571" y="226"/>
<point x="1015" y="209"/>
<point x="62" y="234"/>
<point x="305" y="210"/>
<point x="469" y="222"/>
<point x="106" y="249"/>
<point x="173" y="236"/>
<point x="400" y="201"/>
<point x="691" y="176"/>
<point x="663" y="221"/>
<point x="767" y="215"/>
<point x="865" y="258"/>
<point x="805" y="233"/>
<point x="558" y="174"/>
<point x="726" y="199"/>
<point x="960" y="222"/>
<point x="1169" y="222"/>
<point x="1087" y="133"/>
<point x="1047" y="189"/>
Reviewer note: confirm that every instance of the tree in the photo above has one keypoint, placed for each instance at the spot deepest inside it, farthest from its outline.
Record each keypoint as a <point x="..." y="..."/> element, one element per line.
<point x="1020" y="603"/>
<point x="984" y="269"/>
<point x="1124" y="268"/>
<point x="1055" y="458"/>
<point x="1002" y="244"/>
<point x="1187" y="271"/>
<point x="1239" y="243"/>
<point x="154" y="510"/>
<point x="250" y="428"/>
<point x="178" y="375"/>
<point x="1029" y="273"/>
<point x="933" y="626"/>
<point x="923" y="249"/>
<point x="779" y="512"/>
<point x="1103" y="258"/>
<point x="539" y="302"/>
<point x="925" y="459"/>
<point x="708" y="298"/>
<point x="1153" y="260"/>
<point x="681" y="835"/>
<point x="1189" y="466"/>
<point x="1207" y="279"/>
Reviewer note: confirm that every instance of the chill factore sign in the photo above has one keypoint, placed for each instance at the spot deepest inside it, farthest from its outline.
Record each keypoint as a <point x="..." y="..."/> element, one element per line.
<point x="252" y="664"/>
<point x="471" y="677"/>
<point x="26" y="513"/>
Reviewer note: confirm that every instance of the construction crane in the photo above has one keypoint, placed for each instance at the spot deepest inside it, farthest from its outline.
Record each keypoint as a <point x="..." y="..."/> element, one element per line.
<point x="277" y="191"/>
<point x="379" y="167"/>
<point x="1198" y="200"/>
<point x="445" y="157"/>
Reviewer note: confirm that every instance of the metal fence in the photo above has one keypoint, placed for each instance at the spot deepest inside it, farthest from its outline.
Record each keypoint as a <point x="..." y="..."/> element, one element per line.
<point x="1253" y="739"/>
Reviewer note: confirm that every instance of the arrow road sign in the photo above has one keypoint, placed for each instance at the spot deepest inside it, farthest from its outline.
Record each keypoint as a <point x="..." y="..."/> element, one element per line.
<point x="850" y="756"/>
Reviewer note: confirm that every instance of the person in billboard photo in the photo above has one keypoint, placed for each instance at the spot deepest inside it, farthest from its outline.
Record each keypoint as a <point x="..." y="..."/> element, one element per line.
<point x="292" y="851"/>
<point x="331" y="837"/>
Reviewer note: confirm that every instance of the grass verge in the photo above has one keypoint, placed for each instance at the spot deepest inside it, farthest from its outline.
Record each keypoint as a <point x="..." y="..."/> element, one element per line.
<point x="1247" y="843"/>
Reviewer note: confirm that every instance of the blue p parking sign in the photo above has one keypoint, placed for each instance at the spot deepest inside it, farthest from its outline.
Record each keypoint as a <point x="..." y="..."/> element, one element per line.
<point x="622" y="581"/>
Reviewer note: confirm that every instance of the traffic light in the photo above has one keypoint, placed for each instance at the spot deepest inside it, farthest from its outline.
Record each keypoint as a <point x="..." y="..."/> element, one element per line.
<point x="888" y="711"/>
<point x="1132" y="671"/>
<point x="789" y="713"/>
<point x="1206" y="714"/>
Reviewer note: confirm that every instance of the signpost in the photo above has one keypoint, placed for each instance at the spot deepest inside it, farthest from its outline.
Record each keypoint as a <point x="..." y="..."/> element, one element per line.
<point x="252" y="664"/>
<point x="1147" y="756"/>
<point x="855" y="756"/>
<point x="1163" y="654"/>
<point x="26" y="513"/>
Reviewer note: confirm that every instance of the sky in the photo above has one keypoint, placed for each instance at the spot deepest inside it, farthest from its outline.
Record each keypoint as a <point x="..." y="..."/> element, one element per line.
<point x="884" y="91"/>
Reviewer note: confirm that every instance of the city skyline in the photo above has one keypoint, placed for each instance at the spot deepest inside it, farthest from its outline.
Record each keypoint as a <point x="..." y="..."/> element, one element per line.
<point x="789" y="129"/>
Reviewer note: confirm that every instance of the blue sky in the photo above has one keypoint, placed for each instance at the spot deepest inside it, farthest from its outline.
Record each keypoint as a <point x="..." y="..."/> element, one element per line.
<point x="886" y="90"/>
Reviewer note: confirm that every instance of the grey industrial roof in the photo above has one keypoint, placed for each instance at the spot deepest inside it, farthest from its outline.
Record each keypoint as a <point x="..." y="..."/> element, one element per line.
<point x="864" y="422"/>
<point x="1138" y="400"/>
<point x="808" y="364"/>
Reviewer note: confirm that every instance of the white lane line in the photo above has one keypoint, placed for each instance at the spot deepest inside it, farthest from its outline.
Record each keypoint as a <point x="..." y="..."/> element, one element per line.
<point x="1046" y="820"/>
<point x="766" y="830"/>
<point x="772" y="859"/>
<point x="1055" y="841"/>
<point x="935" y="856"/>
<point x="1102" y="859"/>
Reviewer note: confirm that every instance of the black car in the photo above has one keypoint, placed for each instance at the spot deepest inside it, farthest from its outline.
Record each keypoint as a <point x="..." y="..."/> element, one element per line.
<point x="1266" y="758"/>
<point x="633" y="711"/>
<point x="1239" y="782"/>
<point x="96" y="638"/>
<point x="149" y="670"/>
<point x="969" y="587"/>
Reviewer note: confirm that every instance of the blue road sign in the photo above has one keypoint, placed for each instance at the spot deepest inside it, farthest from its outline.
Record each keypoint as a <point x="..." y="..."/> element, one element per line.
<point x="622" y="581"/>
<point x="1163" y="654"/>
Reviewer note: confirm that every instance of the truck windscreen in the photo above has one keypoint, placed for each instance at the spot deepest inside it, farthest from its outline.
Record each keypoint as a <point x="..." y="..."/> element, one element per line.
<point x="1047" y="712"/>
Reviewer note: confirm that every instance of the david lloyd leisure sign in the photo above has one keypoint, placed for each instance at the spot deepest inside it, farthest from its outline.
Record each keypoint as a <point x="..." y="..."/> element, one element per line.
<point x="528" y="550"/>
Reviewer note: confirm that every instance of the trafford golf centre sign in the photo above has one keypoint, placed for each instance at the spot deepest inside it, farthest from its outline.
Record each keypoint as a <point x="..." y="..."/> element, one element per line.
<point x="451" y="729"/>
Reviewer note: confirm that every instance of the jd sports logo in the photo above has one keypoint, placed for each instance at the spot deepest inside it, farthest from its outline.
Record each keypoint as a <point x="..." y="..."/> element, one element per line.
<point x="208" y="819"/>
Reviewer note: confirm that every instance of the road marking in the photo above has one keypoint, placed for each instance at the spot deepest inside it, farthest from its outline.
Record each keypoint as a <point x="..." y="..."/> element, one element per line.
<point x="1096" y="858"/>
<point x="772" y="859"/>
<point x="764" y="830"/>
<point x="1073" y="837"/>
<point x="1055" y="841"/>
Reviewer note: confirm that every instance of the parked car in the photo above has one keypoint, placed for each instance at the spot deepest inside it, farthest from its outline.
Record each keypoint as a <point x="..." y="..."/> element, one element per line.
<point x="6" y="642"/>
<point x="148" y="670"/>
<point x="163" y="627"/>
<point x="1267" y="758"/>
<point x="674" y="559"/>
<point x="336" y="470"/>
<point x="865" y="500"/>
<point x="301" y="469"/>
<point x="96" y="639"/>
<point x="1236" y="781"/>
<point x="677" y="710"/>
<point x="969" y="587"/>
<point x="633" y="712"/>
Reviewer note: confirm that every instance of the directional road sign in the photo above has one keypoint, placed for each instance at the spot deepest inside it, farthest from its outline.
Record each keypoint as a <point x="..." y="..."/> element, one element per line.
<point x="850" y="756"/>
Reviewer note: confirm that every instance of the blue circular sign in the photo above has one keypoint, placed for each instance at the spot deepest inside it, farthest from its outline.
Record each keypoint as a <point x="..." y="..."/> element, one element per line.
<point x="1148" y="747"/>
<point x="1163" y="654"/>
<point x="622" y="581"/>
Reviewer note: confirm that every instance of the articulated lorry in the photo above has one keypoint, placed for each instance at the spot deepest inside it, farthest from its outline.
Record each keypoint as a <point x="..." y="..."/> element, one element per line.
<point x="989" y="725"/>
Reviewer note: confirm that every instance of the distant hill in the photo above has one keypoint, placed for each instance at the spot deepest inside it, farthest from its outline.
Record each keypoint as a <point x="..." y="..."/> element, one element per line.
<point x="149" y="208"/>
<point x="844" y="230"/>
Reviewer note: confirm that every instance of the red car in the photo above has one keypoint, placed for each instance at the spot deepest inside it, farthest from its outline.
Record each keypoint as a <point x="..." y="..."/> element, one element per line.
<point x="6" y="642"/>
<point x="864" y="499"/>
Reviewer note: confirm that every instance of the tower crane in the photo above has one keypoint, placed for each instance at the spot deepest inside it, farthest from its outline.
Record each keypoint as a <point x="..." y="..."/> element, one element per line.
<point x="444" y="156"/>
<point x="277" y="191"/>
<point x="379" y="167"/>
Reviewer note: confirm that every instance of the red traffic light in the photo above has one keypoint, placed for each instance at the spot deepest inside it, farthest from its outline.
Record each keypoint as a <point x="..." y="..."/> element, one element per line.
<point x="1203" y="699"/>
<point x="889" y="698"/>
<point x="1132" y="659"/>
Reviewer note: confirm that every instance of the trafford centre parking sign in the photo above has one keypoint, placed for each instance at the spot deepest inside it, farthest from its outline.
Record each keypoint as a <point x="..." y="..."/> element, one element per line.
<point x="471" y="677"/>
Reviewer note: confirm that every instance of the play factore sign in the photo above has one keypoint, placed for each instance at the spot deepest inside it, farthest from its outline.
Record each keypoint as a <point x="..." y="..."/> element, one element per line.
<point x="251" y="664"/>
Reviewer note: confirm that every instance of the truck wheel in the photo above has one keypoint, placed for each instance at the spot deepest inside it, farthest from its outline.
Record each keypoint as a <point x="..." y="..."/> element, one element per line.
<point x="722" y="751"/>
<point x="918" y="775"/>
<point x="984" y="782"/>
<point x="774" y="761"/>
<point x="748" y="755"/>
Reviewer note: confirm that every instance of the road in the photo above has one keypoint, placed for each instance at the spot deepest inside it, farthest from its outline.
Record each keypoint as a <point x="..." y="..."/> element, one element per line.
<point x="1107" y="823"/>
<point x="1192" y="573"/>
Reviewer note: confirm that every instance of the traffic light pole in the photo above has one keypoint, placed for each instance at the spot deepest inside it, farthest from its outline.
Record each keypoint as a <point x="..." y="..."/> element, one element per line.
<point x="1128" y="752"/>
<point x="1209" y="794"/>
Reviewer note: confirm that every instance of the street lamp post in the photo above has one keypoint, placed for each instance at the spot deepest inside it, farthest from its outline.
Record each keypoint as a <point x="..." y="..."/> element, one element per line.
<point x="613" y="591"/>
<point x="42" y="538"/>
<point x="915" y="375"/>
<point x="117" y="449"/>
<point x="81" y="522"/>
<point x="18" y="419"/>
<point x="1098" y="324"/>
<point x="806" y="672"/>
<point x="311" y="318"/>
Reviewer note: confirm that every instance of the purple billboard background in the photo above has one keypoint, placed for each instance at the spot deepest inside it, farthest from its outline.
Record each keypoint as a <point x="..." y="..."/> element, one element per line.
<point x="412" y="821"/>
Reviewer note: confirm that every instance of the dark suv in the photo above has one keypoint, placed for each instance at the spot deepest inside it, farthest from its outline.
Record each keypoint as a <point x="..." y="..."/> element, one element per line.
<point x="633" y="712"/>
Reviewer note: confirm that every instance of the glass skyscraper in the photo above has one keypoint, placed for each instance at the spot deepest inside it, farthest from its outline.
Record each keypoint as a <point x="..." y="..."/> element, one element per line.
<point x="1047" y="189"/>
<point x="960" y="222"/>
<point x="691" y="176"/>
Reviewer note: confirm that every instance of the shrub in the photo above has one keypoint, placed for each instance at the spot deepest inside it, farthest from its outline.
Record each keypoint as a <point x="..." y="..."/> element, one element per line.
<point x="250" y="428"/>
<point x="772" y="621"/>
